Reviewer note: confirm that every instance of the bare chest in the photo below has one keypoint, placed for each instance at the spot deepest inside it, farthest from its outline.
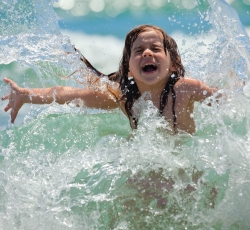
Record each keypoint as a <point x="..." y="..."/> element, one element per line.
<point x="179" y="112"/>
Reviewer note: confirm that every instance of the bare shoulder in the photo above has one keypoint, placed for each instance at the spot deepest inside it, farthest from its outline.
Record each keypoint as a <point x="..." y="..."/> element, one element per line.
<point x="187" y="82"/>
<point x="196" y="89"/>
<point x="186" y="86"/>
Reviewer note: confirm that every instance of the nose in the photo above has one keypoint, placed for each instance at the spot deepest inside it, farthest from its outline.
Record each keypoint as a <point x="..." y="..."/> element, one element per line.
<point x="147" y="53"/>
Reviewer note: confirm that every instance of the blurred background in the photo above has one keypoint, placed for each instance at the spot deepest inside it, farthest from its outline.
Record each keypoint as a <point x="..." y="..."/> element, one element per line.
<point x="114" y="16"/>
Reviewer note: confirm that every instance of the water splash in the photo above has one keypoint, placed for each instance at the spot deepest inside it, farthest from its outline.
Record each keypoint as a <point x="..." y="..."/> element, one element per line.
<point x="71" y="168"/>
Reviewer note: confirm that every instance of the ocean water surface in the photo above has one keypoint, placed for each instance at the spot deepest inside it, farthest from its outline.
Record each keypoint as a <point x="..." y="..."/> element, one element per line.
<point x="68" y="167"/>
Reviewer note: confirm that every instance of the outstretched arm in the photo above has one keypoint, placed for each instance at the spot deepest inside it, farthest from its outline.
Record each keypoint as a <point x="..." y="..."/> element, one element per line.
<point x="60" y="94"/>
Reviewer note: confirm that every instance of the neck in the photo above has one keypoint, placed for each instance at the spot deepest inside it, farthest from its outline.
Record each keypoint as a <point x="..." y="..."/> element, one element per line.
<point x="154" y="91"/>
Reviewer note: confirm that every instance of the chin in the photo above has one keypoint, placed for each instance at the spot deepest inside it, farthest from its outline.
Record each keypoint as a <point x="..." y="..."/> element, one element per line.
<point x="153" y="80"/>
<point x="151" y="83"/>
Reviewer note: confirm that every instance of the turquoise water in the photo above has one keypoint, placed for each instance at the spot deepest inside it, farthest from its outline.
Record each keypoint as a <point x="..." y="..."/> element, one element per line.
<point x="63" y="167"/>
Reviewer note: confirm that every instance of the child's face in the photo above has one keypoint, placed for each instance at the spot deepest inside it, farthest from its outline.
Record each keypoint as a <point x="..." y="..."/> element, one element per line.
<point x="149" y="64"/>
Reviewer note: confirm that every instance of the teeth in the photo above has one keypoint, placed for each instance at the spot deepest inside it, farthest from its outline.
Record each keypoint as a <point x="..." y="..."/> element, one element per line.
<point x="149" y="67"/>
<point x="149" y="64"/>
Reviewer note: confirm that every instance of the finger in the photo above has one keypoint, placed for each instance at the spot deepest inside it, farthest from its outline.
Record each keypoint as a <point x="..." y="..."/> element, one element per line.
<point x="13" y="115"/>
<point x="5" y="97"/>
<point x="7" y="108"/>
<point x="10" y="82"/>
<point x="6" y="80"/>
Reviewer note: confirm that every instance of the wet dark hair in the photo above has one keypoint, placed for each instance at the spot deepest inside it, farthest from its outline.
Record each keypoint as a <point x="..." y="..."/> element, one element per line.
<point x="130" y="91"/>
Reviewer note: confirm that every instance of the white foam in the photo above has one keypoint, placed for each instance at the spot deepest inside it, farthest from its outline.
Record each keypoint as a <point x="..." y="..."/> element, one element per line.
<point x="104" y="52"/>
<point x="200" y="42"/>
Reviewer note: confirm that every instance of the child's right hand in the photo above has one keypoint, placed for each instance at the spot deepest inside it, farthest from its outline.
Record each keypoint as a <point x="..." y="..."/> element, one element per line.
<point x="15" y="99"/>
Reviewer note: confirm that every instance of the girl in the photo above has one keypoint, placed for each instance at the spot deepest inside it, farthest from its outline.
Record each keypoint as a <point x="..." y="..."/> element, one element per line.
<point x="150" y="63"/>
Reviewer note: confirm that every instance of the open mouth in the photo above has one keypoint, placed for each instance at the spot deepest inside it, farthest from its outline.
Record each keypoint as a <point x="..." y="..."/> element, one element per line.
<point x="149" y="68"/>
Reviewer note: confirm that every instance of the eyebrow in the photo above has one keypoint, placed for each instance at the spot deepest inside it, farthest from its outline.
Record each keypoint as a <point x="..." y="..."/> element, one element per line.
<point x="153" y="44"/>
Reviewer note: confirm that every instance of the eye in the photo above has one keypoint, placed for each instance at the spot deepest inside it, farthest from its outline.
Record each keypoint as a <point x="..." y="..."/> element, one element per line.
<point x="138" y="51"/>
<point x="157" y="49"/>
